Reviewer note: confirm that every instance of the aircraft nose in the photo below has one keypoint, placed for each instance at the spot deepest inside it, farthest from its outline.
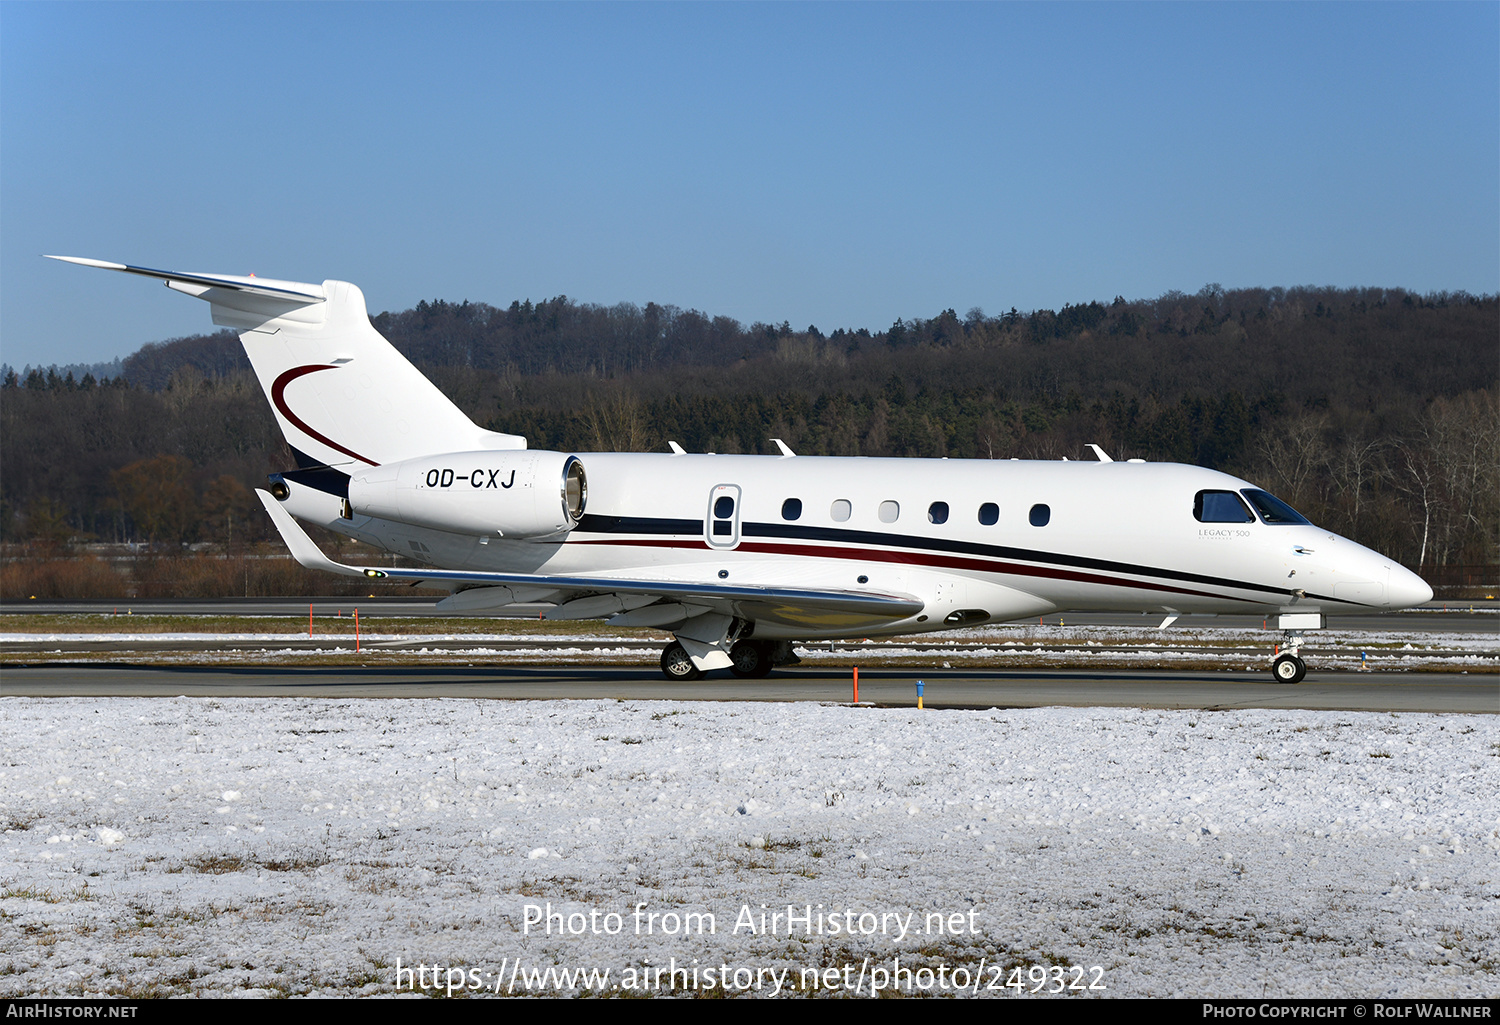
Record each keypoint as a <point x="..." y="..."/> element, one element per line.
<point x="1405" y="589"/>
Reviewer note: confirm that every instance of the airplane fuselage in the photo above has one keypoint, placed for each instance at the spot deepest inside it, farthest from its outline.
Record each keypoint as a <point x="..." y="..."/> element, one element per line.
<point x="975" y="540"/>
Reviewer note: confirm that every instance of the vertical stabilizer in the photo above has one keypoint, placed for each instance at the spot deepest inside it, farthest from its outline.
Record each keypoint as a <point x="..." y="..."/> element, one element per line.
<point x="342" y="395"/>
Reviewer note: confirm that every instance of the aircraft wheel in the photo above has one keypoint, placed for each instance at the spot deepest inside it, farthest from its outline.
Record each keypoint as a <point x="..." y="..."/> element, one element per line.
<point x="750" y="659"/>
<point x="676" y="665"/>
<point x="1288" y="669"/>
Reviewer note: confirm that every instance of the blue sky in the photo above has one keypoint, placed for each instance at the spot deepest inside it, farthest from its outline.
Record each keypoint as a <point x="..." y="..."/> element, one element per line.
<point x="832" y="164"/>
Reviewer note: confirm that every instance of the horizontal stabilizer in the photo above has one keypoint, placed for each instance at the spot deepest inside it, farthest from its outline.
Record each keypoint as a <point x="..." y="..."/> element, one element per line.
<point x="289" y="291"/>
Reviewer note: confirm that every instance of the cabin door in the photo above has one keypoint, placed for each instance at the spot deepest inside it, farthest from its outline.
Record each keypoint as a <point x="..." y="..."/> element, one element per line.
<point x="721" y="525"/>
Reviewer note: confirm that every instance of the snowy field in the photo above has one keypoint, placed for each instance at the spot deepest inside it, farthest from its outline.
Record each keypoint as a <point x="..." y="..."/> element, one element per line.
<point x="290" y="847"/>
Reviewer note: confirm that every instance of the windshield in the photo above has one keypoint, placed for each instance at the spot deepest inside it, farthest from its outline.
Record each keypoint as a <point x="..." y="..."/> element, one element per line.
<point x="1220" y="507"/>
<point x="1272" y="509"/>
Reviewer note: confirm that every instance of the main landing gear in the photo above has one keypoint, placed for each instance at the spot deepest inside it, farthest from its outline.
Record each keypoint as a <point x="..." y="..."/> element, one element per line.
<point x="676" y="664"/>
<point x="750" y="659"/>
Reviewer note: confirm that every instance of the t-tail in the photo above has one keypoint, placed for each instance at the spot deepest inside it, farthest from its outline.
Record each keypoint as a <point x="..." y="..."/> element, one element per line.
<point x="342" y="394"/>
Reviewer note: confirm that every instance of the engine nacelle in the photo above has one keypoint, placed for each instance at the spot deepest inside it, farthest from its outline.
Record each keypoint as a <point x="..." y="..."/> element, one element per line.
<point x="513" y="494"/>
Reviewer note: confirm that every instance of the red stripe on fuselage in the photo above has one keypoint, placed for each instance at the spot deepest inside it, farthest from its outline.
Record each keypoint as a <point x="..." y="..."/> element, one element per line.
<point x="279" y="401"/>
<point x="926" y="559"/>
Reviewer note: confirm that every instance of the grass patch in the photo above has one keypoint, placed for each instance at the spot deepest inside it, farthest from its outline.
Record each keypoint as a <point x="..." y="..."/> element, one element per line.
<point x="216" y="864"/>
<point x="224" y="864"/>
<point x="80" y="892"/>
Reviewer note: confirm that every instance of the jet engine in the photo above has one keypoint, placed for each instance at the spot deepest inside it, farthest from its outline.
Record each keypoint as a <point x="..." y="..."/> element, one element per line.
<point x="512" y="494"/>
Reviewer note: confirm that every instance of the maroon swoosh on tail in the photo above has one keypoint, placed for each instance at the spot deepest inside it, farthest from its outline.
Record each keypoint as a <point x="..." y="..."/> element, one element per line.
<point x="279" y="401"/>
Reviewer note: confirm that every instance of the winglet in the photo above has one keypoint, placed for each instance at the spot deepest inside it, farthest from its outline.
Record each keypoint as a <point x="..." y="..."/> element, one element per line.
<point x="1103" y="455"/>
<point x="302" y="547"/>
<point x="785" y="451"/>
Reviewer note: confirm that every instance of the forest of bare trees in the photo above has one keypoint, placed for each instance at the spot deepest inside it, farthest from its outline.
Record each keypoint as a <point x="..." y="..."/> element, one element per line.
<point x="1374" y="411"/>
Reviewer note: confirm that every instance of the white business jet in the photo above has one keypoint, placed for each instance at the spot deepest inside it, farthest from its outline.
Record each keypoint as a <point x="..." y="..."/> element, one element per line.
<point x="740" y="556"/>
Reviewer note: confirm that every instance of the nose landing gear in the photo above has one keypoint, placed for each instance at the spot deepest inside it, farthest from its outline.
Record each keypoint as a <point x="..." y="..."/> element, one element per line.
<point x="1289" y="667"/>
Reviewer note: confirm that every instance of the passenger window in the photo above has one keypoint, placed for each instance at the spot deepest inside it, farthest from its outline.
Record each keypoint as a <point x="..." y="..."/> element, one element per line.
<point x="1220" y="507"/>
<point x="723" y="507"/>
<point x="989" y="514"/>
<point x="889" y="511"/>
<point x="937" y="512"/>
<point x="791" y="509"/>
<point x="1041" y="515"/>
<point x="841" y="510"/>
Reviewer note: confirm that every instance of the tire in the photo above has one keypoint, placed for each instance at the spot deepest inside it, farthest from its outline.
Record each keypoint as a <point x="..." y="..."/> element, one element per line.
<point x="751" y="660"/>
<point x="676" y="665"/>
<point x="1288" y="669"/>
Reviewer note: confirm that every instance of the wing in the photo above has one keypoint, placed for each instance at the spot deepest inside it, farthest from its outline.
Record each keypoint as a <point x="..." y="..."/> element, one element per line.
<point x="631" y="601"/>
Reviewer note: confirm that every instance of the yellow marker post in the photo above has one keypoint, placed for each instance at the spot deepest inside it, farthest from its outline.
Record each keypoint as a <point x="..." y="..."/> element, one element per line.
<point x="919" y="693"/>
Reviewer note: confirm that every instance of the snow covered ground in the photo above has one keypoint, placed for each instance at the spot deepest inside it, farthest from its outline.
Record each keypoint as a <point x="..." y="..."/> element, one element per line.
<point x="264" y="847"/>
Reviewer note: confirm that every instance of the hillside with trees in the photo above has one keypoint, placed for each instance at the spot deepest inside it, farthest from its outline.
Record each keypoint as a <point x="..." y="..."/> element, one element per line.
<point x="1374" y="411"/>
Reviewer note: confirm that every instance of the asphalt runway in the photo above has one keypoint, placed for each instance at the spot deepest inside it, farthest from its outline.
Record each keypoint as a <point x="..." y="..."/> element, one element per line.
<point x="1452" y="617"/>
<point x="1370" y="692"/>
<point x="945" y="688"/>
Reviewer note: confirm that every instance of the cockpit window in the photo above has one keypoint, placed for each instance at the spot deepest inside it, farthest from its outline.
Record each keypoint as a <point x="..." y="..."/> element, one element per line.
<point x="1272" y="509"/>
<point x="1220" y="507"/>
